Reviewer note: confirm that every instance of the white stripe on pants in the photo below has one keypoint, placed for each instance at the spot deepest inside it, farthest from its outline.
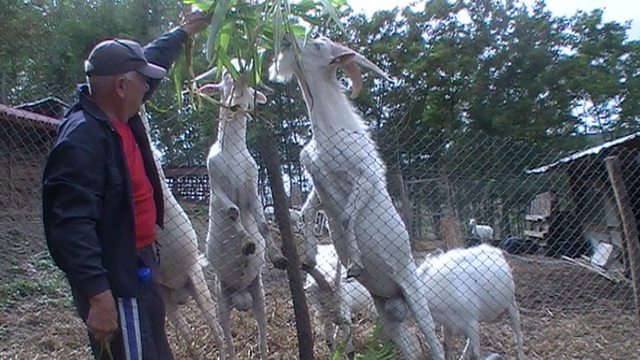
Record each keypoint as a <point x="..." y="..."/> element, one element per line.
<point x="130" y="325"/>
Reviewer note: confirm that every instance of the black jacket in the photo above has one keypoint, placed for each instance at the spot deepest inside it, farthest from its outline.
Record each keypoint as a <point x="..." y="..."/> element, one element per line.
<point x="86" y="196"/>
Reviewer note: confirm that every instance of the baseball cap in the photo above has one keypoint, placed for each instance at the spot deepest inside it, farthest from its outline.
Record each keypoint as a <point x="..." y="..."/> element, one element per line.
<point x="118" y="56"/>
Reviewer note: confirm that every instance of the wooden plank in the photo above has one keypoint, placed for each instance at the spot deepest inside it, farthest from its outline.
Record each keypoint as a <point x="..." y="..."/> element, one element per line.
<point x="535" y="234"/>
<point x="534" y="217"/>
<point x="598" y="270"/>
<point x="628" y="223"/>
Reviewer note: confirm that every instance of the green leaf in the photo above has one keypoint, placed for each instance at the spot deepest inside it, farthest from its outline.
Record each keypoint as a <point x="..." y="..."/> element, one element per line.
<point x="216" y="23"/>
<point x="333" y="13"/>
<point x="202" y="5"/>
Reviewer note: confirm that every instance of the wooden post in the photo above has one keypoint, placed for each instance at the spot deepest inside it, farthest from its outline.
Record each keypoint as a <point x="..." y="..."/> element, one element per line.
<point x="450" y="229"/>
<point x="628" y="223"/>
<point x="269" y="154"/>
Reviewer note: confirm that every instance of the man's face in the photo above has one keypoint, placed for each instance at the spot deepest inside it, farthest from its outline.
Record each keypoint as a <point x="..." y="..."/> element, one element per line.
<point x="136" y="87"/>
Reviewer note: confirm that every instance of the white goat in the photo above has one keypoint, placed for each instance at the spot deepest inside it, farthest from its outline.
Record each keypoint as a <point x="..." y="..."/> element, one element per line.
<point x="482" y="232"/>
<point x="469" y="286"/>
<point x="181" y="264"/>
<point x="349" y="185"/>
<point x="238" y="233"/>
<point x="334" y="298"/>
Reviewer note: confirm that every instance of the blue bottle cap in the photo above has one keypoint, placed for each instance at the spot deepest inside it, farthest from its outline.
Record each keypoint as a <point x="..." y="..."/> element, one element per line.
<point x="144" y="275"/>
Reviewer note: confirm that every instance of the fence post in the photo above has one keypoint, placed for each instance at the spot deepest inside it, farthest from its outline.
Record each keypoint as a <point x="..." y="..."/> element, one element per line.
<point x="629" y="224"/>
<point x="269" y="154"/>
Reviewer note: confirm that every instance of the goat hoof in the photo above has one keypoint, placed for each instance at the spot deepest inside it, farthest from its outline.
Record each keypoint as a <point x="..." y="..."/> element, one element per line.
<point x="249" y="248"/>
<point x="354" y="270"/>
<point x="281" y="263"/>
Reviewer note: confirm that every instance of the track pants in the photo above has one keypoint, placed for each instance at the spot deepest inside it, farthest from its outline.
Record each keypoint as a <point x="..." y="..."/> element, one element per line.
<point x="141" y="334"/>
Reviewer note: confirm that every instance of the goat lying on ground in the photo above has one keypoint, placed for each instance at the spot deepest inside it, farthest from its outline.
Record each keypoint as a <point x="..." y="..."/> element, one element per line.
<point x="238" y="235"/>
<point x="349" y="185"/>
<point x="334" y="298"/>
<point x="181" y="264"/>
<point x="469" y="286"/>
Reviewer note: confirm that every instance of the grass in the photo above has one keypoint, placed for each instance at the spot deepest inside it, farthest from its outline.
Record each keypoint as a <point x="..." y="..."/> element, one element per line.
<point x="378" y="347"/>
<point x="39" y="278"/>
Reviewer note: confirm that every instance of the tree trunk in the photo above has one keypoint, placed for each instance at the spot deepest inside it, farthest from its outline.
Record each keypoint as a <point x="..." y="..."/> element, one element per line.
<point x="269" y="154"/>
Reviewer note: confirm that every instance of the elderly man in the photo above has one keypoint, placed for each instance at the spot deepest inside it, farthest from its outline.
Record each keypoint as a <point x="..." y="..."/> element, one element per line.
<point x="102" y="197"/>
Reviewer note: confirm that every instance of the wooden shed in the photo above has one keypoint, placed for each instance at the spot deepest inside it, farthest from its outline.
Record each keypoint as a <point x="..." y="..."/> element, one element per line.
<point x="25" y="139"/>
<point x="594" y="212"/>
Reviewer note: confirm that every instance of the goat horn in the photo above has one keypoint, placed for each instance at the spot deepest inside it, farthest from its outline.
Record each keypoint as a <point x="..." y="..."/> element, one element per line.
<point x="352" y="70"/>
<point x="360" y="59"/>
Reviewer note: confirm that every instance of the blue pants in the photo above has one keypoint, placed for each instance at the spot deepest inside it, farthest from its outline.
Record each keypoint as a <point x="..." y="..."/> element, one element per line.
<point x="141" y="334"/>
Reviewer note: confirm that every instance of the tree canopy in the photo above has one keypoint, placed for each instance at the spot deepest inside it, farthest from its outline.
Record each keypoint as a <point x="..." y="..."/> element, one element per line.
<point x="491" y="67"/>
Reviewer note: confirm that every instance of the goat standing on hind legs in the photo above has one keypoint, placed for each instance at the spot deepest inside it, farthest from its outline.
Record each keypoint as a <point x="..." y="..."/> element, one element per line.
<point x="181" y="265"/>
<point x="349" y="185"/>
<point x="238" y="234"/>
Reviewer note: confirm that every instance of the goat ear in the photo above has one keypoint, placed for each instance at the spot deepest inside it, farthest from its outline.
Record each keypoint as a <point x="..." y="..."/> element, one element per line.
<point x="352" y="70"/>
<point x="260" y="97"/>
<point x="210" y="88"/>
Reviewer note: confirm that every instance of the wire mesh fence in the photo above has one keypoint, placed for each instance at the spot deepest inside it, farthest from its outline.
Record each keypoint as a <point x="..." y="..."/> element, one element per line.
<point x="554" y="216"/>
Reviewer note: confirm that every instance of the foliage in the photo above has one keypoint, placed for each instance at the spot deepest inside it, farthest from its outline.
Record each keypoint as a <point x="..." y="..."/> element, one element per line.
<point x="378" y="347"/>
<point x="247" y="29"/>
<point x="40" y="279"/>
<point x="463" y="70"/>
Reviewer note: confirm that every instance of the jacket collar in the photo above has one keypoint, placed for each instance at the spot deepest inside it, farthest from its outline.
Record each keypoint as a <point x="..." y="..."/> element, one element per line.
<point x="85" y="103"/>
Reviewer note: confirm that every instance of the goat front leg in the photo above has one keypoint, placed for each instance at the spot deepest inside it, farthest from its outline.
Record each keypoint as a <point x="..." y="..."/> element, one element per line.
<point x="274" y="253"/>
<point x="359" y="193"/>
<point x="221" y="203"/>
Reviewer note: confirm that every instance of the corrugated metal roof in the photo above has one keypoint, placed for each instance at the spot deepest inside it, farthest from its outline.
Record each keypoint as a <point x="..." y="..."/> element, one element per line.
<point x="587" y="152"/>
<point x="16" y="115"/>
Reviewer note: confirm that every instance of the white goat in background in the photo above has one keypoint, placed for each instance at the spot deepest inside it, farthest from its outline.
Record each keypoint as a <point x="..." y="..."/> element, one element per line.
<point x="333" y="298"/>
<point x="238" y="233"/>
<point x="349" y="185"/>
<point x="482" y="232"/>
<point x="181" y="272"/>
<point x="270" y="215"/>
<point x="469" y="286"/>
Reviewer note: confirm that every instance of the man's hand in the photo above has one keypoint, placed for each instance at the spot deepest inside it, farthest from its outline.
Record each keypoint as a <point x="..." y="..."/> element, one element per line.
<point x="194" y="23"/>
<point x="102" y="319"/>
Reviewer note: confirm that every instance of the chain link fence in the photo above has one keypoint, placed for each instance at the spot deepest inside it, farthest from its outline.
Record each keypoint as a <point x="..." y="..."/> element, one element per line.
<point x="555" y="215"/>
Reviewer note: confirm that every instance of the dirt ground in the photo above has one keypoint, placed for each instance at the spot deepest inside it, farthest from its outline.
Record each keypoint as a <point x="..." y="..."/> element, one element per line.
<point x="567" y="312"/>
